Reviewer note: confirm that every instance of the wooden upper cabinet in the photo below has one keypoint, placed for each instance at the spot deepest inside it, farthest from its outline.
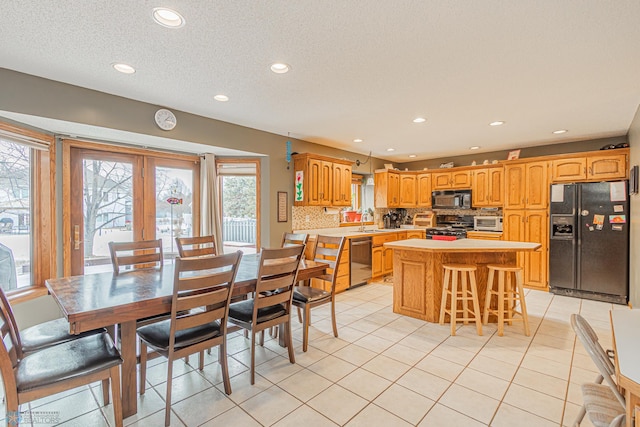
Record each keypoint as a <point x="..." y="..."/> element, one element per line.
<point x="613" y="166"/>
<point x="407" y="190"/>
<point x="480" y="186"/>
<point x="423" y="185"/>
<point x="321" y="181"/>
<point x="514" y="177"/>
<point x="387" y="189"/>
<point x="488" y="187"/>
<point x="526" y="185"/>
<point x="496" y="186"/>
<point x="537" y="185"/>
<point x="341" y="185"/>
<point x="592" y="167"/>
<point x="566" y="170"/>
<point x="451" y="179"/>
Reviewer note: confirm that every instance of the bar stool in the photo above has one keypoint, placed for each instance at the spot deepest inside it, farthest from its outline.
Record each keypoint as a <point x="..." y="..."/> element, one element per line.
<point x="506" y="294"/>
<point x="464" y="294"/>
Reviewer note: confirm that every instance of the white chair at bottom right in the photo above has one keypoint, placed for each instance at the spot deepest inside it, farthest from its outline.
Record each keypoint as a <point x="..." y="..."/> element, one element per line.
<point x="603" y="403"/>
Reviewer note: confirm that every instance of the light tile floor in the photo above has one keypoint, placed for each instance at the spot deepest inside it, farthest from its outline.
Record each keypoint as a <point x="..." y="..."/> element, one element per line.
<point x="385" y="369"/>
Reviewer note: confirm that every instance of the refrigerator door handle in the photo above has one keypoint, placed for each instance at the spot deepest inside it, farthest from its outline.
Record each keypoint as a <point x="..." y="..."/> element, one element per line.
<point x="584" y="212"/>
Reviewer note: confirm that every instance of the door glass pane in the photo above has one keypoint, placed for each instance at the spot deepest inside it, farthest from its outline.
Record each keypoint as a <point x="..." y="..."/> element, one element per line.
<point x="15" y="209"/>
<point x="107" y="209"/>
<point x="174" y="196"/>
<point x="238" y="213"/>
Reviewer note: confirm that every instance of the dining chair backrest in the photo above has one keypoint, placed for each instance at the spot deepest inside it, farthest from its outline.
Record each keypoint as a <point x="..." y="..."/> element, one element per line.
<point x="196" y="246"/>
<point x="329" y="251"/>
<point x="202" y="289"/>
<point x="140" y="254"/>
<point x="586" y="335"/>
<point x="291" y="239"/>
<point x="10" y="352"/>
<point x="7" y="313"/>
<point x="277" y="274"/>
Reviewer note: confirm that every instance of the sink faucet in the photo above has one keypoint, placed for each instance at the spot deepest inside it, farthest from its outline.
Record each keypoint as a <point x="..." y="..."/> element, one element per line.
<point x="361" y="223"/>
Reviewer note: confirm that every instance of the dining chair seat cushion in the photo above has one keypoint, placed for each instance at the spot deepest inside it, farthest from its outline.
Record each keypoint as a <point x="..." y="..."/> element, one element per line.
<point x="309" y="294"/>
<point x="50" y="333"/>
<point x="66" y="361"/>
<point x="156" y="334"/>
<point x="243" y="311"/>
<point x="601" y="404"/>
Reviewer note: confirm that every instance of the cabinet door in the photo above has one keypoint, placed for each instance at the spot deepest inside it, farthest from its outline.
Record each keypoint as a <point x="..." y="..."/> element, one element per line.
<point x="441" y="180"/>
<point x="387" y="256"/>
<point x="568" y="170"/>
<point x="535" y="263"/>
<point x="480" y="187"/>
<point x="314" y="180"/>
<point x="376" y="262"/>
<point x="461" y="179"/>
<point x="495" y="189"/>
<point x="514" y="178"/>
<point x="537" y="185"/>
<point x="513" y="229"/>
<point x="424" y="189"/>
<point x="407" y="191"/>
<point x="341" y="185"/>
<point x="607" y="167"/>
<point x="415" y="234"/>
<point x="393" y="194"/>
<point x="326" y="183"/>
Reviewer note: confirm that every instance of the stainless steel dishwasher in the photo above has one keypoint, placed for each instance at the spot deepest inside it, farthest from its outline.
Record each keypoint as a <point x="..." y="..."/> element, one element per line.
<point x="360" y="260"/>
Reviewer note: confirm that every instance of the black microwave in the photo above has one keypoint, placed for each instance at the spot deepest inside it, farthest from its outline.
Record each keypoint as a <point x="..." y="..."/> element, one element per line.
<point x="451" y="199"/>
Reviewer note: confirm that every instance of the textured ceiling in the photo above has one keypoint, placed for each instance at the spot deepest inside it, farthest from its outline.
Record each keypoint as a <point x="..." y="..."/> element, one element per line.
<point x="360" y="68"/>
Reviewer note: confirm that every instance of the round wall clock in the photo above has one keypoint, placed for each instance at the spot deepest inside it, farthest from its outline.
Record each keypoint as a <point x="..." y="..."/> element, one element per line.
<point x="165" y="119"/>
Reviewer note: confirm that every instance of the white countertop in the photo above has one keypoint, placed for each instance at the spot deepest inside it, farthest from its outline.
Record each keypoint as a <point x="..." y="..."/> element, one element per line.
<point x="463" y="245"/>
<point x="627" y="336"/>
<point x="353" y="231"/>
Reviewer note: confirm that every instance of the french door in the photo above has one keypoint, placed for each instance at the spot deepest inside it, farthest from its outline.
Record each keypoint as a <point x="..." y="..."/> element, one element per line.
<point x="126" y="196"/>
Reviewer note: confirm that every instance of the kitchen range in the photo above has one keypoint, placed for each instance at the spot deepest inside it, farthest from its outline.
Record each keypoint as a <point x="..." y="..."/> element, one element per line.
<point x="450" y="227"/>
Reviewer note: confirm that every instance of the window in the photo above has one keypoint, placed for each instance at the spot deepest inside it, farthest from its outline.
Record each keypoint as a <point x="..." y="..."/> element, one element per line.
<point x="239" y="193"/>
<point x="26" y="252"/>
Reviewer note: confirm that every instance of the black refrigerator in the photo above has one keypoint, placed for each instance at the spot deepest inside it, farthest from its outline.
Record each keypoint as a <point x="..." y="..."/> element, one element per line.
<point x="589" y="240"/>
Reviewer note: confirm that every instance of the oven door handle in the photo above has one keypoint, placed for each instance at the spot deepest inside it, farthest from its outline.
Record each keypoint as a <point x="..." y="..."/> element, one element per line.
<point x="362" y="243"/>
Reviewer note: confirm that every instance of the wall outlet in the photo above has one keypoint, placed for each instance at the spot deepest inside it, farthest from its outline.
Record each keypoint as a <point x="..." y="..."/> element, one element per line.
<point x="307" y="219"/>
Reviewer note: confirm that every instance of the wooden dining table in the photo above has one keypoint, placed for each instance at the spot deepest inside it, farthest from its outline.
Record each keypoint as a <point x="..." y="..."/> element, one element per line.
<point x="99" y="300"/>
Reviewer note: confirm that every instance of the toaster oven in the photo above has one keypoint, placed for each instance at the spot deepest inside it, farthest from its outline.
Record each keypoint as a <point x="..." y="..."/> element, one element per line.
<point x="487" y="223"/>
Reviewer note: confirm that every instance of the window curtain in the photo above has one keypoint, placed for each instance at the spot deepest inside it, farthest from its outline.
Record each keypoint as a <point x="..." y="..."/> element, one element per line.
<point x="211" y="224"/>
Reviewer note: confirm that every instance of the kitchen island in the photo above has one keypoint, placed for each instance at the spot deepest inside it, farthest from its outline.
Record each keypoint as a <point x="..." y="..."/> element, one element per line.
<point x="418" y="274"/>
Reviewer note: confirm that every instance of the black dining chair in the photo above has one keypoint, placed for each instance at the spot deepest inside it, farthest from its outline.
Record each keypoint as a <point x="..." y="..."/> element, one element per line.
<point x="271" y="304"/>
<point x="202" y="289"/>
<point x="57" y="368"/>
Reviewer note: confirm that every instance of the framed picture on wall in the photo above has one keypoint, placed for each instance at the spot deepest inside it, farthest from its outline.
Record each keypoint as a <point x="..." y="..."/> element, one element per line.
<point x="282" y="206"/>
<point x="515" y="154"/>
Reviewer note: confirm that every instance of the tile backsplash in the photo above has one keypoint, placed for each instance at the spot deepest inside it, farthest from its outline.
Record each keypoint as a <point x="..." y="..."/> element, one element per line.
<point x="308" y="217"/>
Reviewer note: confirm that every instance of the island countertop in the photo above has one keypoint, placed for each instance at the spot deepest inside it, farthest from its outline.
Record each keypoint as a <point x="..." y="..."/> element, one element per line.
<point x="462" y="245"/>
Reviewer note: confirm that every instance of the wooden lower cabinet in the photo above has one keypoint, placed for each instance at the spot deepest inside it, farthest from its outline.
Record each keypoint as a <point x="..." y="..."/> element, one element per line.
<point x="484" y="235"/>
<point x="344" y="268"/>
<point x="376" y="262"/>
<point x="387" y="263"/>
<point x="530" y="226"/>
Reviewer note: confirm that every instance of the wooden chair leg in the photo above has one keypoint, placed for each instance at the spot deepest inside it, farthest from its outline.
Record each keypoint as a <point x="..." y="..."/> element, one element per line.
<point x="476" y="303"/>
<point x="117" y="398"/>
<point x="167" y="408"/>
<point x="443" y="300"/>
<point x="465" y="295"/>
<point x="201" y="360"/>
<point x="224" y="366"/>
<point x="523" y="304"/>
<point x="105" y="392"/>
<point x="510" y="289"/>
<point x="289" y="340"/>
<point x="487" y="298"/>
<point x="143" y="368"/>
<point x="299" y="315"/>
<point x="253" y="357"/>
<point x="333" y="316"/>
<point x="305" y="328"/>
<point x="501" y="303"/>
<point x="262" y="338"/>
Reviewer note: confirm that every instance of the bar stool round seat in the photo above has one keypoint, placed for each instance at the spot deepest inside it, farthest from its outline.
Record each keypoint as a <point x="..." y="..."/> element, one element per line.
<point x="463" y="291"/>
<point x="508" y="293"/>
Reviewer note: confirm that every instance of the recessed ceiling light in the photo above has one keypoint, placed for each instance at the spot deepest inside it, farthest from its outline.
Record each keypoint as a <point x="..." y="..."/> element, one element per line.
<point x="357" y="140"/>
<point x="419" y="120"/>
<point x="497" y="123"/>
<point x="124" y="68"/>
<point x="559" y="131"/>
<point x="412" y="156"/>
<point x="391" y="149"/>
<point x="475" y="147"/>
<point x="167" y="17"/>
<point x="280" y="68"/>
<point x="221" y="98"/>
